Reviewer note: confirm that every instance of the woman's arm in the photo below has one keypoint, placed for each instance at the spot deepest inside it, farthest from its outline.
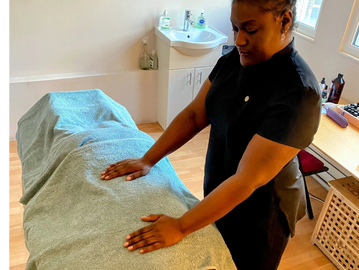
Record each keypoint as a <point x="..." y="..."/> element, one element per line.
<point x="262" y="161"/>
<point x="185" y="126"/>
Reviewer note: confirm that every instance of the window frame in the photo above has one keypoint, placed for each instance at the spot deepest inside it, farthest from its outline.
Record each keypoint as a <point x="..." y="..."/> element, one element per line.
<point x="351" y="31"/>
<point x="306" y="30"/>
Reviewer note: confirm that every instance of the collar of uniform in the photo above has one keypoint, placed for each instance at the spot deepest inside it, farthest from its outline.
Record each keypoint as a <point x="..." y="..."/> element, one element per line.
<point x="290" y="48"/>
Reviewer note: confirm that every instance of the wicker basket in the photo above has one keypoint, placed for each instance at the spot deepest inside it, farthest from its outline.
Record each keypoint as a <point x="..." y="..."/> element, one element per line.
<point x="336" y="233"/>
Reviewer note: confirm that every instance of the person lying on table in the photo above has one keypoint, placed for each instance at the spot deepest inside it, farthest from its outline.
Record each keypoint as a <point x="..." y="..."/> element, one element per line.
<point x="263" y="104"/>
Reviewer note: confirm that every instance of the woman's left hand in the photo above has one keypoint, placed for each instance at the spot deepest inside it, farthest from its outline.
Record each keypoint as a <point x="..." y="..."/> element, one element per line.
<point x="165" y="231"/>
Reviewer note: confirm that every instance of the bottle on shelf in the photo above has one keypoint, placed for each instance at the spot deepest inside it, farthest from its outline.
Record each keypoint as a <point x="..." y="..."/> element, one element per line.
<point x="153" y="60"/>
<point x="336" y="89"/>
<point x="144" y="56"/>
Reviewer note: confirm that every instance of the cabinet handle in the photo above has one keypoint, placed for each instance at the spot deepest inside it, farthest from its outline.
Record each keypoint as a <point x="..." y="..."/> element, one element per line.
<point x="200" y="78"/>
<point x="190" y="78"/>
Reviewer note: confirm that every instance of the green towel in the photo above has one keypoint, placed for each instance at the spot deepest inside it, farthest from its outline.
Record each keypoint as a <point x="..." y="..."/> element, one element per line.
<point x="75" y="220"/>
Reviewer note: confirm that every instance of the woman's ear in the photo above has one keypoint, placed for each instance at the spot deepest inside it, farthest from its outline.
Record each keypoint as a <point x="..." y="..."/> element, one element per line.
<point x="287" y="20"/>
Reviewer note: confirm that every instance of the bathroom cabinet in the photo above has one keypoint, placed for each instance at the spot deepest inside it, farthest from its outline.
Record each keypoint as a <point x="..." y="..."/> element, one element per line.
<point x="183" y="86"/>
<point x="180" y="78"/>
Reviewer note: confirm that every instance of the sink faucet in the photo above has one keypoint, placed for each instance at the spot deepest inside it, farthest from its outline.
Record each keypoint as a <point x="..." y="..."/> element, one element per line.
<point x="187" y="20"/>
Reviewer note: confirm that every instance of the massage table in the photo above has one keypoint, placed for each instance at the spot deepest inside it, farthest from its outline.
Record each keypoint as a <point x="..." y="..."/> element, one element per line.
<point x="73" y="219"/>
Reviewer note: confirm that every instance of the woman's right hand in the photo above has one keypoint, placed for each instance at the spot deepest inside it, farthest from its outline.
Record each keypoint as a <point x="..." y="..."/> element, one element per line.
<point x="135" y="167"/>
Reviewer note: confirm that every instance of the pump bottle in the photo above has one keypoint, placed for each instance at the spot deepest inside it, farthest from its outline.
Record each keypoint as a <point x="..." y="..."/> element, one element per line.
<point x="201" y="21"/>
<point x="164" y="22"/>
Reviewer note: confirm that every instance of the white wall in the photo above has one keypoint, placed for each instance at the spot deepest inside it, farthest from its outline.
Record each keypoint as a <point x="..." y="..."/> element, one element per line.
<point x="74" y="45"/>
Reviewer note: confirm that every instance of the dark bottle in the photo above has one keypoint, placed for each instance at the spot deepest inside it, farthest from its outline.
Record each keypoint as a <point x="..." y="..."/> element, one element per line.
<point x="336" y="88"/>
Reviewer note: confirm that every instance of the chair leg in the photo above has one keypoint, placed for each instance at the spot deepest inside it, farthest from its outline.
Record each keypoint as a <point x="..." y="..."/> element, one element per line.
<point x="309" y="205"/>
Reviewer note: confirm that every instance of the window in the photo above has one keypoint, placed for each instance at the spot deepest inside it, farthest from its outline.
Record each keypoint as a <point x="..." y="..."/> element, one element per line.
<point x="356" y="37"/>
<point x="308" y="12"/>
<point x="350" y="43"/>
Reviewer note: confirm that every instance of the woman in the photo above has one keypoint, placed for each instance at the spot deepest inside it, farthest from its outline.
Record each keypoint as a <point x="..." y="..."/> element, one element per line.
<point x="263" y="104"/>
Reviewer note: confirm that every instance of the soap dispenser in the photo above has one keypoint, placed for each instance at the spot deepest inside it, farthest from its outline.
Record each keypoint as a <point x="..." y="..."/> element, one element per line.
<point x="144" y="56"/>
<point x="164" y="20"/>
<point x="201" y="21"/>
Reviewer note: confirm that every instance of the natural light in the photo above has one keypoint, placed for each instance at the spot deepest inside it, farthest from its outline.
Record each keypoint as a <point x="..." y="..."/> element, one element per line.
<point x="356" y="37"/>
<point x="308" y="12"/>
<point x="350" y="43"/>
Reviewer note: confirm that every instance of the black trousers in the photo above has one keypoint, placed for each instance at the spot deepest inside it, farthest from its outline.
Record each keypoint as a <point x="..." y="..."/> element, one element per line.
<point x="256" y="231"/>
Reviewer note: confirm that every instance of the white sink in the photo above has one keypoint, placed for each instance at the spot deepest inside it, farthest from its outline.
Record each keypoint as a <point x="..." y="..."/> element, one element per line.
<point x="198" y="36"/>
<point x="194" y="42"/>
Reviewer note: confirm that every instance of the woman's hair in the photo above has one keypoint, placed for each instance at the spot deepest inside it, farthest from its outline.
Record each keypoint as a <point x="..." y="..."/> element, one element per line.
<point x="277" y="7"/>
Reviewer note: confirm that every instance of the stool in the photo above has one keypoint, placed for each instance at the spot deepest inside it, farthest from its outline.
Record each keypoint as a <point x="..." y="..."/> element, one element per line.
<point x="308" y="165"/>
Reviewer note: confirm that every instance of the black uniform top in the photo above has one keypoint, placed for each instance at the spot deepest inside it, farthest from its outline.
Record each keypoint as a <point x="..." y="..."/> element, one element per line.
<point x="279" y="100"/>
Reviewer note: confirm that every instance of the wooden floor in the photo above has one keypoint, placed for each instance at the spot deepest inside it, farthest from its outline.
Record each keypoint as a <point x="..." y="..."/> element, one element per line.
<point x="188" y="162"/>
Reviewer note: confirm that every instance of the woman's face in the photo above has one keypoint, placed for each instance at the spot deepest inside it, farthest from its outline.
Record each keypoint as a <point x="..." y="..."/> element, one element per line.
<point x="257" y="34"/>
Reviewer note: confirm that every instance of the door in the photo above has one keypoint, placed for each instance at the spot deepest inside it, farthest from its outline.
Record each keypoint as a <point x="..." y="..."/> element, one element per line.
<point x="179" y="91"/>
<point x="201" y="74"/>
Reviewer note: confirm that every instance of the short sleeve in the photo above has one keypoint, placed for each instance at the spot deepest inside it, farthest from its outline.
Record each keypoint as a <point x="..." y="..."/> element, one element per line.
<point x="292" y="118"/>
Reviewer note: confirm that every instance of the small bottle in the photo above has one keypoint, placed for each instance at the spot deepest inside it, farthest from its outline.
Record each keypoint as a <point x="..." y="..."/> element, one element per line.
<point x="322" y="89"/>
<point x="325" y="94"/>
<point x="144" y="56"/>
<point x="322" y="84"/>
<point x="154" y="60"/>
<point x="336" y="89"/>
<point x="201" y="21"/>
<point x="164" y="22"/>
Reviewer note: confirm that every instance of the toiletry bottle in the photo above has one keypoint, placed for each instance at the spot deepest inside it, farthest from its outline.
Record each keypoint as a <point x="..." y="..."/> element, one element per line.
<point x="322" y="90"/>
<point x="154" y="60"/>
<point x="144" y="56"/>
<point x="325" y="94"/>
<point x="201" y="21"/>
<point x="164" y="20"/>
<point x="322" y="84"/>
<point x="336" y="89"/>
